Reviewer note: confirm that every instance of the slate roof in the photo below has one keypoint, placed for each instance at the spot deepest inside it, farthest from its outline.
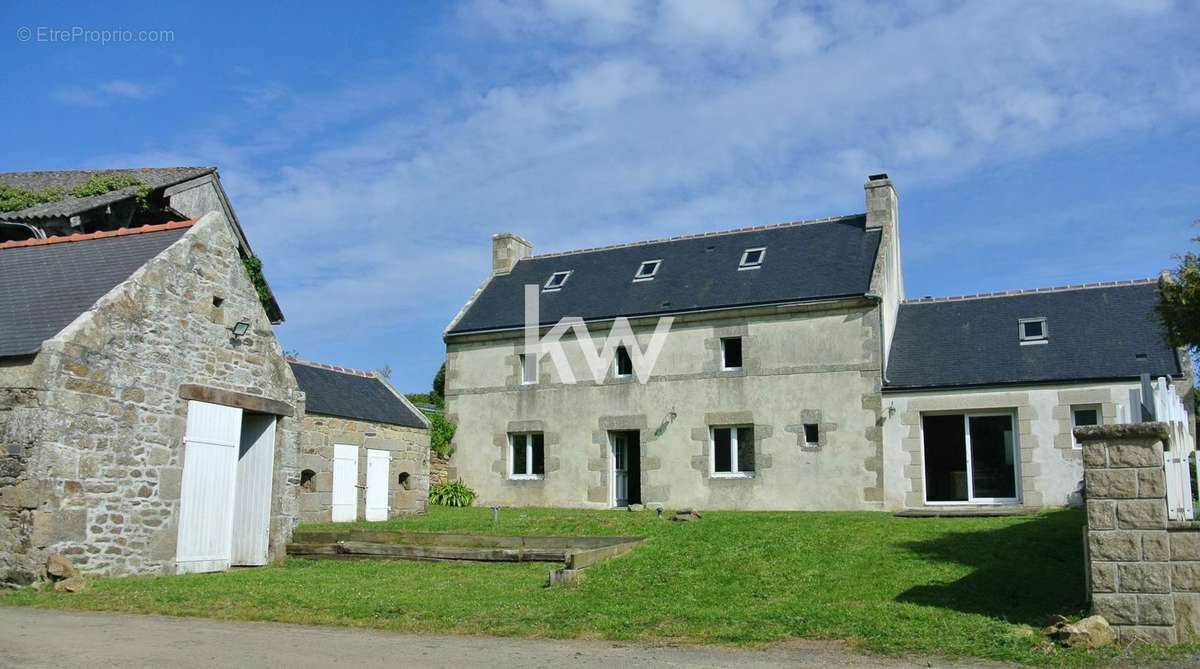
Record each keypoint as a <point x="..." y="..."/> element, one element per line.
<point x="46" y="284"/>
<point x="155" y="177"/>
<point x="1094" y="333"/>
<point x="349" y="393"/>
<point x="804" y="261"/>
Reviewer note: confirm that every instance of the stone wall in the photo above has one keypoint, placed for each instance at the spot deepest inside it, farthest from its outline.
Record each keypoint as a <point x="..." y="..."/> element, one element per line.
<point x="410" y="454"/>
<point x="1144" y="571"/>
<point x="801" y="363"/>
<point x="440" y="470"/>
<point x="91" y="429"/>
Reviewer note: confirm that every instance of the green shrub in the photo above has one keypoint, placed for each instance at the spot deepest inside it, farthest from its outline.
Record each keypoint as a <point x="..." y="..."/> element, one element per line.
<point x="441" y="435"/>
<point x="451" y="493"/>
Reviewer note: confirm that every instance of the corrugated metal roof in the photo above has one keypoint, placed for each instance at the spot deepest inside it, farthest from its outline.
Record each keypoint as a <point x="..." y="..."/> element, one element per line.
<point x="153" y="177"/>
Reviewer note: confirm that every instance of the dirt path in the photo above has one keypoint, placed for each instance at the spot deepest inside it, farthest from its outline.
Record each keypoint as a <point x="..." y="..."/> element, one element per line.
<point x="47" y="638"/>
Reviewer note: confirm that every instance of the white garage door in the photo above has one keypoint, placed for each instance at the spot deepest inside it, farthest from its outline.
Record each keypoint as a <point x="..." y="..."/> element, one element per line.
<point x="345" y="482"/>
<point x="378" y="466"/>
<point x="210" y="458"/>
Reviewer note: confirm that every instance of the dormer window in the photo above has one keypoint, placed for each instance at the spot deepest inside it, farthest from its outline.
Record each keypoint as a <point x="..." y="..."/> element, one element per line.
<point x="647" y="270"/>
<point x="556" y="281"/>
<point x="1033" y="331"/>
<point x="752" y="258"/>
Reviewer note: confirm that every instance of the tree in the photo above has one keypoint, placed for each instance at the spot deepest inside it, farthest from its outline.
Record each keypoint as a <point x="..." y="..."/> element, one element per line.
<point x="439" y="385"/>
<point x="1179" y="302"/>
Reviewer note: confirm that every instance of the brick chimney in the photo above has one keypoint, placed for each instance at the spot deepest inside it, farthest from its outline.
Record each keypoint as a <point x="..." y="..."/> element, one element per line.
<point x="507" y="249"/>
<point x="883" y="207"/>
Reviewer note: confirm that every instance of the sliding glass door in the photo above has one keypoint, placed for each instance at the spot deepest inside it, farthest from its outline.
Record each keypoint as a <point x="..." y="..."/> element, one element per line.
<point x="970" y="458"/>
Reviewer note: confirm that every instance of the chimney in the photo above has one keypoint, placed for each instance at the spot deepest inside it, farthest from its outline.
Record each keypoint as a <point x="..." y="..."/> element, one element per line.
<point x="883" y="207"/>
<point x="507" y="249"/>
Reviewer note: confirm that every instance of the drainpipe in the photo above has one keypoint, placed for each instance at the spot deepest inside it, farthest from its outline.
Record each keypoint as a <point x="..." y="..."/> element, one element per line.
<point x="878" y="300"/>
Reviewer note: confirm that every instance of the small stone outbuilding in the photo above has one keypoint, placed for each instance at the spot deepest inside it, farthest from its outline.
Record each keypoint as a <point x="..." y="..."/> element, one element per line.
<point x="365" y="448"/>
<point x="149" y="421"/>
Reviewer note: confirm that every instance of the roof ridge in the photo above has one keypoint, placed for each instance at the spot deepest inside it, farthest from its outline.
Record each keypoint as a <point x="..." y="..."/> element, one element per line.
<point x="332" y="368"/>
<point x="103" y="234"/>
<point x="101" y="170"/>
<point x="1032" y="291"/>
<point x="698" y="235"/>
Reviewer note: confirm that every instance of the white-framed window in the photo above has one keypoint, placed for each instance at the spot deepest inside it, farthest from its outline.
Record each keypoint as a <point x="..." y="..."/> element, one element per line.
<point x="556" y="281"/>
<point x="1033" y="330"/>
<point x="647" y="270"/>
<point x="731" y="353"/>
<point x="529" y="368"/>
<point x="812" y="435"/>
<point x="623" y="363"/>
<point x="732" y="451"/>
<point x="1084" y="414"/>
<point x="527" y="455"/>
<point x="753" y="258"/>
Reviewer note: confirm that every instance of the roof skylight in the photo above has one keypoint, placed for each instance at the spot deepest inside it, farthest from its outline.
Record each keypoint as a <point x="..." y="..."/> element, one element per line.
<point x="556" y="280"/>
<point x="1033" y="330"/>
<point x="647" y="270"/>
<point x="753" y="258"/>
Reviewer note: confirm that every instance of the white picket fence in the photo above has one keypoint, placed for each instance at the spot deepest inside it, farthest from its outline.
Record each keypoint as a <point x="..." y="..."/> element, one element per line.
<point x="1169" y="408"/>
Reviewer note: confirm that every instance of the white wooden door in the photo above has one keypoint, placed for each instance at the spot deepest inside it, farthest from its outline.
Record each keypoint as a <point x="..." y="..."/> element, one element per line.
<point x="379" y="464"/>
<point x="207" y="491"/>
<point x="345" y="483"/>
<point x="252" y="502"/>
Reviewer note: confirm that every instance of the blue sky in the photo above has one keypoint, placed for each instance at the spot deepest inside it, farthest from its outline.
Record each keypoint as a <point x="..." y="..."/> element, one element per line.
<point x="371" y="150"/>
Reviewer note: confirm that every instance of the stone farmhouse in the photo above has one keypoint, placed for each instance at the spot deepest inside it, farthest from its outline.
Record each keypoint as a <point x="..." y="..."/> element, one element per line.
<point x="795" y="376"/>
<point x="364" y="454"/>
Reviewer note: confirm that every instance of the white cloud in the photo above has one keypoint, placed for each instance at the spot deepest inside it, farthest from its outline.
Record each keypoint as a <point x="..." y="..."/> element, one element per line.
<point x="102" y="94"/>
<point x="678" y="118"/>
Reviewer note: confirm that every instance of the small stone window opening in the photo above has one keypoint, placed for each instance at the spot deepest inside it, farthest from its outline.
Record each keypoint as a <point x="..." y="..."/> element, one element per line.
<point x="624" y="362"/>
<point x="404" y="480"/>
<point x="218" y="300"/>
<point x="1033" y="331"/>
<point x="1081" y="415"/>
<point x="812" y="435"/>
<point x="306" y="480"/>
<point x="529" y="371"/>
<point x="731" y="353"/>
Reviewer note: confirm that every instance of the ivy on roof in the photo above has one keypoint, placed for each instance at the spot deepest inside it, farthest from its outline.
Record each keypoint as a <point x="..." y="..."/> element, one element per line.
<point x="16" y="199"/>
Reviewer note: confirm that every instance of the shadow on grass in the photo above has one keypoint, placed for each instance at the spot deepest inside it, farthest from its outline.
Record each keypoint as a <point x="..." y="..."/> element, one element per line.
<point x="1024" y="573"/>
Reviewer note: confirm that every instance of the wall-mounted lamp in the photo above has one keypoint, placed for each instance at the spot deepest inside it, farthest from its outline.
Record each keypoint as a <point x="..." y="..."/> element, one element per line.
<point x="240" y="329"/>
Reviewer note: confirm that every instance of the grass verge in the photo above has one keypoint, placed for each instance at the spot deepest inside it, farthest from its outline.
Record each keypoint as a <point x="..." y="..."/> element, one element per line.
<point x="935" y="586"/>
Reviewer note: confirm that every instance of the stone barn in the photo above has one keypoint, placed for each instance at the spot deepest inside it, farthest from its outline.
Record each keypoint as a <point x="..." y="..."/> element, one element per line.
<point x="149" y="421"/>
<point x="365" y="448"/>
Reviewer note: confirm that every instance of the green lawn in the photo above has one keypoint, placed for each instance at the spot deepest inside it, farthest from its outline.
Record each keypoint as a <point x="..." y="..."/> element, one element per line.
<point x="953" y="587"/>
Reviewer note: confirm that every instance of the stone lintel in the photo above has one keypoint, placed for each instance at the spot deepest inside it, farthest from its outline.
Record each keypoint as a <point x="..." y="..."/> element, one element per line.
<point x="193" y="391"/>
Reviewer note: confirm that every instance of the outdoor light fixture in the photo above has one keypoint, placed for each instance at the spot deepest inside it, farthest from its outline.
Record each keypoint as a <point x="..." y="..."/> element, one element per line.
<point x="240" y="329"/>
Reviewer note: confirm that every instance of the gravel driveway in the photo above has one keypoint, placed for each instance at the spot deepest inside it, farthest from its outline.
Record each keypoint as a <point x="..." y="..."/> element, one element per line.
<point x="48" y="638"/>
